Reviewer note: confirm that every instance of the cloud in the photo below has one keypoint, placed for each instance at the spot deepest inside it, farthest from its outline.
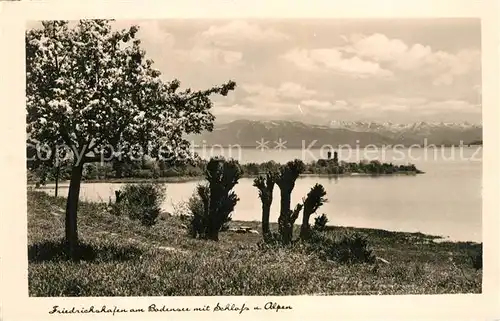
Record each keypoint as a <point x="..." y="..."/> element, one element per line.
<point x="236" y="110"/>
<point x="259" y="89"/>
<point x="323" y="105"/>
<point x="334" y="60"/>
<point x="389" y="100"/>
<point x="416" y="105"/>
<point x="239" y="31"/>
<point x="377" y="106"/>
<point x="381" y="103"/>
<point x="444" y="79"/>
<point x="268" y="111"/>
<point x="465" y="62"/>
<point x="156" y="38"/>
<point x="283" y="100"/>
<point x="210" y="56"/>
<point x="449" y="106"/>
<point x="316" y="103"/>
<point x="269" y="61"/>
<point x="151" y="32"/>
<point x="286" y="99"/>
<point x="441" y="65"/>
<point x="293" y="90"/>
<point x="288" y="90"/>
<point x="380" y="48"/>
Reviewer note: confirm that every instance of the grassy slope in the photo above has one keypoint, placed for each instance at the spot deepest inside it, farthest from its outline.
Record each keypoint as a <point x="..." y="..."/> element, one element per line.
<point x="132" y="260"/>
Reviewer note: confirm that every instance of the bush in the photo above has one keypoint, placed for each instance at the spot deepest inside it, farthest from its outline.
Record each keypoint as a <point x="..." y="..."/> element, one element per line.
<point x="349" y="249"/>
<point x="217" y="198"/>
<point x="169" y="172"/>
<point x="320" y="223"/>
<point x="353" y="249"/>
<point x="140" y="202"/>
<point x="143" y="173"/>
<point x="476" y="257"/>
<point x="197" y="216"/>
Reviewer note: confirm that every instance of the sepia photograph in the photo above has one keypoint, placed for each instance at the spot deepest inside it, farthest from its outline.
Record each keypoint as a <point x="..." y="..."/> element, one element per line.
<point x="254" y="157"/>
<point x="246" y="157"/>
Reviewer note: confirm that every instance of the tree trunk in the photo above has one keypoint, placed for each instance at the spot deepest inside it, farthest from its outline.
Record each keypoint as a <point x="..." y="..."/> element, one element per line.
<point x="288" y="233"/>
<point x="71" y="210"/>
<point x="212" y="234"/>
<point x="266" y="210"/>
<point x="284" y="219"/>
<point x="57" y="180"/>
<point x="305" y="228"/>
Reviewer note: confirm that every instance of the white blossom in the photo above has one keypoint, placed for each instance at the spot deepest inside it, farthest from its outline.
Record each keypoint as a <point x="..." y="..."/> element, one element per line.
<point x="75" y="102"/>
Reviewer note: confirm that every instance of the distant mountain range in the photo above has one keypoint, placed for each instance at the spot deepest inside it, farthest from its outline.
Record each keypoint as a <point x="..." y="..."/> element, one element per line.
<point x="247" y="133"/>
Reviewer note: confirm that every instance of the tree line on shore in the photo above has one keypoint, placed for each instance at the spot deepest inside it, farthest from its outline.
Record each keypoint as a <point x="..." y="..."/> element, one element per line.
<point x="154" y="169"/>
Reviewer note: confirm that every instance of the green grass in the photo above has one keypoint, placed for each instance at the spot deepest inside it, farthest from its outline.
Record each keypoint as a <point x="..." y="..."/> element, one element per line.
<point x="122" y="258"/>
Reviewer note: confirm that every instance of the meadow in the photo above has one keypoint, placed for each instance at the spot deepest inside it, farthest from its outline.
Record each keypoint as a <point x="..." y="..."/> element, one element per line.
<point x="121" y="257"/>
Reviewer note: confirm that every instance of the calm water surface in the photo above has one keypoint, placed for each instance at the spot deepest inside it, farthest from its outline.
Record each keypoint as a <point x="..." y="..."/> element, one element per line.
<point x="444" y="201"/>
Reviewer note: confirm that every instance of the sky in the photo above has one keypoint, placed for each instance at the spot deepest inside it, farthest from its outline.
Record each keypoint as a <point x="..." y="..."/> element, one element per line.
<point x="318" y="71"/>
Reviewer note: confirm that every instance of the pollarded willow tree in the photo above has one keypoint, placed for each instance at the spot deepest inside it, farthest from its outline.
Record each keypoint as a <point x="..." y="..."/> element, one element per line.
<point x="285" y="180"/>
<point x="313" y="201"/>
<point x="265" y="185"/>
<point x="215" y="201"/>
<point x="91" y="89"/>
<point x="222" y="176"/>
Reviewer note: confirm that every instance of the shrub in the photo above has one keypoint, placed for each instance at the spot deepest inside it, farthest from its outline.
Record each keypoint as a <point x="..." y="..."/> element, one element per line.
<point x="272" y="242"/>
<point x="197" y="216"/>
<point x="348" y="249"/>
<point x="90" y="172"/>
<point x="353" y="249"/>
<point x="476" y="257"/>
<point x="169" y="172"/>
<point x="143" y="173"/>
<point x="140" y="202"/>
<point x="320" y="223"/>
<point x="213" y="203"/>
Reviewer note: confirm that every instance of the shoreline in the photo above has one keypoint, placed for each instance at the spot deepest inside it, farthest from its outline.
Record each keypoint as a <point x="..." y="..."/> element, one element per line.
<point x="184" y="179"/>
<point x="420" y="235"/>
<point x="256" y="224"/>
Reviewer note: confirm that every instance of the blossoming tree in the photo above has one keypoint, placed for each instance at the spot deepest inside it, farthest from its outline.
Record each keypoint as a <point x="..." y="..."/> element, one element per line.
<point x="90" y="88"/>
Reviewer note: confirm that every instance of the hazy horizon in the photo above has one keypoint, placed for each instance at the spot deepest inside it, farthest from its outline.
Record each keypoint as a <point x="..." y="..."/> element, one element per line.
<point x="327" y="122"/>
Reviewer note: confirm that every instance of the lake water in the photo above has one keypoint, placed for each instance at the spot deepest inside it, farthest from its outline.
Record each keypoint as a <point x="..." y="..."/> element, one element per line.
<point x="445" y="201"/>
